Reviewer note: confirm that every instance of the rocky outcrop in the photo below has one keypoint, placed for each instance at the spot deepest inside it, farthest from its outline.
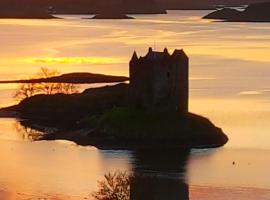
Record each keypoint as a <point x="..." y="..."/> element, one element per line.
<point x="253" y="13"/>
<point x="112" y="16"/>
<point x="203" y="4"/>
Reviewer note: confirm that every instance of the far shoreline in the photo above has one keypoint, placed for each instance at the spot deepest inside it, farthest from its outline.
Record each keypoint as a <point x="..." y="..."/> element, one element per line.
<point x="75" y="78"/>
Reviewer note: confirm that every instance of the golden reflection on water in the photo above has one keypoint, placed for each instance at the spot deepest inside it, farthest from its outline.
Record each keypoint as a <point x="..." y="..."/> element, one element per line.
<point x="99" y="43"/>
<point x="229" y="84"/>
<point x="219" y="193"/>
<point x="52" y="170"/>
<point x="64" y="170"/>
<point x="230" y="168"/>
<point x="245" y="121"/>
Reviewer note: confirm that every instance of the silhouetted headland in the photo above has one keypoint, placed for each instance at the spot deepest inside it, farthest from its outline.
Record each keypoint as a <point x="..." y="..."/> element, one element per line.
<point x="151" y="111"/>
<point x="258" y="12"/>
<point x="24" y="12"/>
<point x="74" y="78"/>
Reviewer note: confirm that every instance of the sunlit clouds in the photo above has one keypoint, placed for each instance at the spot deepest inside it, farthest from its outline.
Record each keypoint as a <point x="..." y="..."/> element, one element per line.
<point x="78" y="60"/>
<point x="250" y="93"/>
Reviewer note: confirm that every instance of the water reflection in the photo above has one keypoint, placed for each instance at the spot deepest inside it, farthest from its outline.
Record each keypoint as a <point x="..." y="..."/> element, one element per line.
<point x="62" y="170"/>
<point x="16" y="130"/>
<point x="157" y="174"/>
<point x="27" y="133"/>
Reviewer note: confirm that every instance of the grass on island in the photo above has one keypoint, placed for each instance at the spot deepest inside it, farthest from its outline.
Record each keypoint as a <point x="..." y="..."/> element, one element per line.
<point x="141" y="125"/>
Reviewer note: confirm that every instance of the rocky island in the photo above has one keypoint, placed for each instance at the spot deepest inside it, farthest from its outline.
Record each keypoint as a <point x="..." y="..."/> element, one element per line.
<point x="150" y="111"/>
<point x="257" y="12"/>
<point x="112" y="16"/>
<point x="112" y="12"/>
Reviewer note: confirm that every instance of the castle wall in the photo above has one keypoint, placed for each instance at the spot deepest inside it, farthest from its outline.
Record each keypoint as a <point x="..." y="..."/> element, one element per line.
<point x="162" y="84"/>
<point x="160" y="81"/>
<point x="181" y="84"/>
<point x="141" y="85"/>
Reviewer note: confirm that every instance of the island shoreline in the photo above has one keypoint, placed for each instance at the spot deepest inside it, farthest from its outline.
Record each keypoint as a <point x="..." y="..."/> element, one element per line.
<point x="87" y="126"/>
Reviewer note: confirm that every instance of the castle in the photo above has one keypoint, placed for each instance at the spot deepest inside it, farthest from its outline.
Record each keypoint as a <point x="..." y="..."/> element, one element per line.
<point x="159" y="81"/>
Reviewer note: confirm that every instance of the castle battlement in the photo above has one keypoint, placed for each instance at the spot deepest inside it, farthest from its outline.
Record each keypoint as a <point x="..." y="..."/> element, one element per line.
<point x="159" y="80"/>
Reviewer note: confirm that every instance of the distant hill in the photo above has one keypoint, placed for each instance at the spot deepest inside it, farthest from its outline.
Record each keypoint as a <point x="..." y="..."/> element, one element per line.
<point x="74" y="78"/>
<point x="81" y="6"/>
<point x="43" y="8"/>
<point x="13" y="9"/>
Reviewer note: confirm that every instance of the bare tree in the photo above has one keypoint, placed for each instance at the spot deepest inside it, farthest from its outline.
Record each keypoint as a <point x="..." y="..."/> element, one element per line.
<point x="26" y="90"/>
<point x="67" y="88"/>
<point x="48" y="88"/>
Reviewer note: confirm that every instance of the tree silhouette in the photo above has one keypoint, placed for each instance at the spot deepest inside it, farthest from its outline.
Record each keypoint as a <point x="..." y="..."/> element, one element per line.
<point x="116" y="186"/>
<point x="26" y="90"/>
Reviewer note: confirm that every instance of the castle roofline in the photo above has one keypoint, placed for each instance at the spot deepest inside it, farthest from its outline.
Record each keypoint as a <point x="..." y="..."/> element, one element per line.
<point x="158" y="55"/>
<point x="179" y="52"/>
<point x="134" y="56"/>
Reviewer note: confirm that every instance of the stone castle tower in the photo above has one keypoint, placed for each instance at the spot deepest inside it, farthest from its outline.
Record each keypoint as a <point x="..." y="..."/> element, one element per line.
<point x="159" y="81"/>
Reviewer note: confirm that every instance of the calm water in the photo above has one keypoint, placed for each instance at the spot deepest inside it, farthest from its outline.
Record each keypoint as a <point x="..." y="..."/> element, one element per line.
<point x="229" y="64"/>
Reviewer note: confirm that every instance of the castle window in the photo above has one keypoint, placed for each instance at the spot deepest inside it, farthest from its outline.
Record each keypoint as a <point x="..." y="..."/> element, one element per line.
<point x="168" y="75"/>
